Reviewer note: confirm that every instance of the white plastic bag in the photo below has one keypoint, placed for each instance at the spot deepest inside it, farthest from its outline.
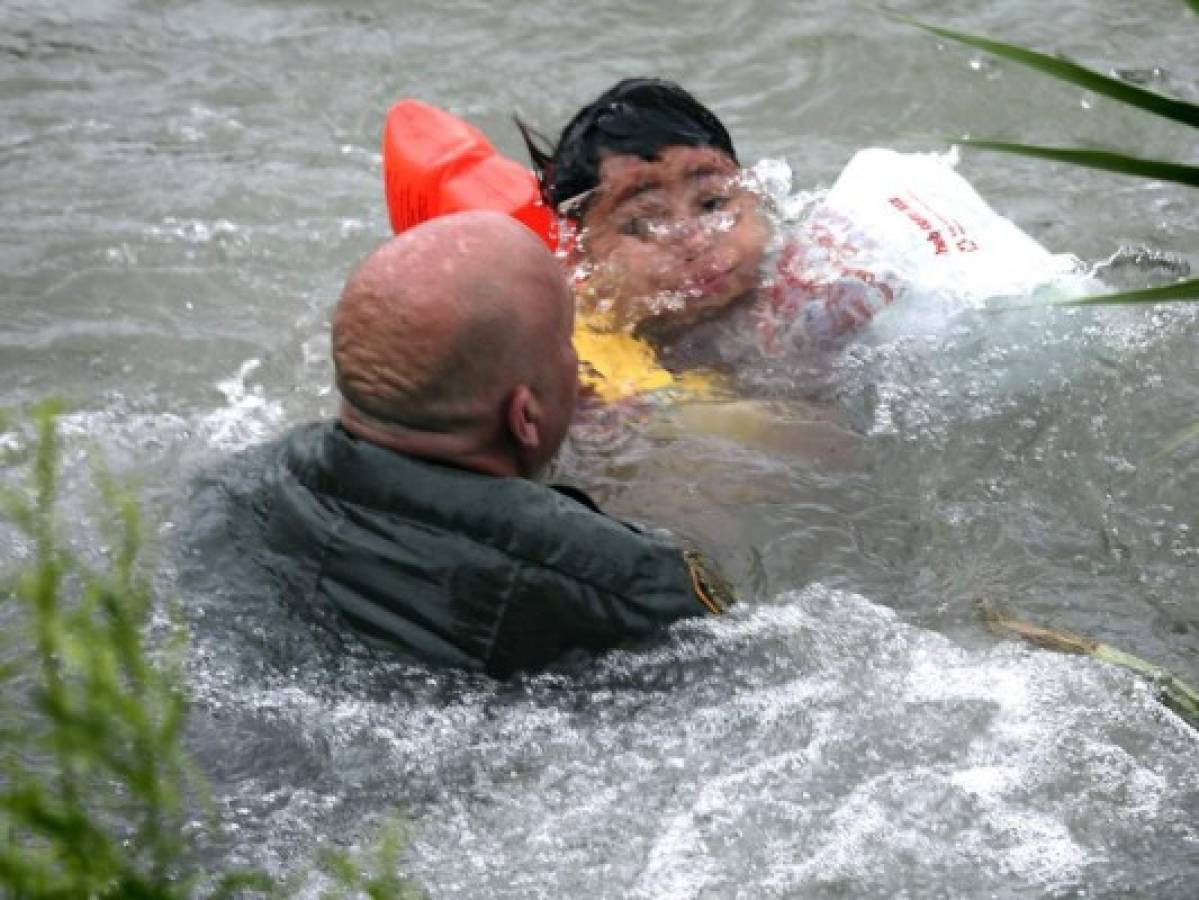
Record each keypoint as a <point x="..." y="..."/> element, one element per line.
<point x="925" y="224"/>
<point x="904" y="233"/>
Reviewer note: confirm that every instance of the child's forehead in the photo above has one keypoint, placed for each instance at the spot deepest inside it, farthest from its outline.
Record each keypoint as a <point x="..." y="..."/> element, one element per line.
<point x="624" y="176"/>
<point x="673" y="163"/>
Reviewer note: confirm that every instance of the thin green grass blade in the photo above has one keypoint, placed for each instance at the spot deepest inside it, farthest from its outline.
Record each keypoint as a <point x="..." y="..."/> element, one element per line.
<point x="1179" y="290"/>
<point x="1064" y="70"/>
<point x="1107" y="160"/>
<point x="1194" y="5"/>
<point x="1187" y="290"/>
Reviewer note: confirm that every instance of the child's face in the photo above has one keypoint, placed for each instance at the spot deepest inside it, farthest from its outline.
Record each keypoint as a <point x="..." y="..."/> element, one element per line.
<point x="671" y="242"/>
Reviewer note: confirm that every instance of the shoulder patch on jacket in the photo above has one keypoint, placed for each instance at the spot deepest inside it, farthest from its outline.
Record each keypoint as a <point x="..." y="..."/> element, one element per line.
<point x="710" y="587"/>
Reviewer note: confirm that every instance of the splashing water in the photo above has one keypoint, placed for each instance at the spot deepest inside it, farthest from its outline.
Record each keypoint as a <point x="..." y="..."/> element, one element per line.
<point x="852" y="730"/>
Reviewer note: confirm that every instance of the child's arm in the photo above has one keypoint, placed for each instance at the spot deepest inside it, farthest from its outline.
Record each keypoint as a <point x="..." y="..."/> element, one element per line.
<point x="793" y="430"/>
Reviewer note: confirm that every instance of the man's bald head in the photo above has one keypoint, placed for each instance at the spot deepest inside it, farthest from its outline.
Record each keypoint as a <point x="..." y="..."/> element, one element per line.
<point x="438" y="326"/>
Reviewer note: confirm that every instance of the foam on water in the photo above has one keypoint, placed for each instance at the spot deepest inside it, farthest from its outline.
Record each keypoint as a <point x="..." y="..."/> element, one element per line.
<point x="813" y="745"/>
<point x="248" y="416"/>
<point x="128" y="436"/>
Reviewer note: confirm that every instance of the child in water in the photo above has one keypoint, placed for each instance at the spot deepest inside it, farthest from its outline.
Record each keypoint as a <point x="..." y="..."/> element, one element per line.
<point x="672" y="249"/>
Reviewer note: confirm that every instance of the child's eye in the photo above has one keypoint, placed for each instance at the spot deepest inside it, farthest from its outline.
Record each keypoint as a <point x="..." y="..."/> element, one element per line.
<point x="639" y="227"/>
<point x="715" y="203"/>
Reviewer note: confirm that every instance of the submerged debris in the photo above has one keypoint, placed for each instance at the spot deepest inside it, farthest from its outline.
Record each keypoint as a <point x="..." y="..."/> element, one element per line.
<point x="1170" y="690"/>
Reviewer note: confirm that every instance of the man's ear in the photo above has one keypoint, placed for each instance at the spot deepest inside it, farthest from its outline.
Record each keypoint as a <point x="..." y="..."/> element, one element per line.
<point x="524" y="418"/>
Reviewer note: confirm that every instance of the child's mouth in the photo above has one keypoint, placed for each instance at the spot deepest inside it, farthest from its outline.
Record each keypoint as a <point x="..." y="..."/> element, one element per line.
<point x="707" y="284"/>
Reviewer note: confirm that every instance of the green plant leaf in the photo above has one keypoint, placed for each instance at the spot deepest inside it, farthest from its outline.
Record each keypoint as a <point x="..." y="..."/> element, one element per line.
<point x="1179" y="290"/>
<point x="1064" y="70"/>
<point x="1184" y="290"/>
<point x="1107" y="160"/>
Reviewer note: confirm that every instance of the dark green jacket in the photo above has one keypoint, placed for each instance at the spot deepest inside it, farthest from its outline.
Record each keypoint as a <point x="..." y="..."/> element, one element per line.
<point x="463" y="569"/>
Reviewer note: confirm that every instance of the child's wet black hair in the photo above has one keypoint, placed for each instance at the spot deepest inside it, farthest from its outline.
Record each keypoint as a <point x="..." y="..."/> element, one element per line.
<point x="636" y="116"/>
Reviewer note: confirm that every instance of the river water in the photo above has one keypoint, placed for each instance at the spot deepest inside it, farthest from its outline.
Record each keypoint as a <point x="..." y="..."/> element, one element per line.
<point x="185" y="186"/>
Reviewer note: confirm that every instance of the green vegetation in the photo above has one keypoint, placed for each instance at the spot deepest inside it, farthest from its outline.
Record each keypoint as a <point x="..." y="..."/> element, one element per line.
<point x="1167" y="108"/>
<point x="96" y="793"/>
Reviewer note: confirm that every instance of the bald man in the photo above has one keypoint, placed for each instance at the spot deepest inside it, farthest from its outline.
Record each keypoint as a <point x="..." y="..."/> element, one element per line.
<point x="415" y="514"/>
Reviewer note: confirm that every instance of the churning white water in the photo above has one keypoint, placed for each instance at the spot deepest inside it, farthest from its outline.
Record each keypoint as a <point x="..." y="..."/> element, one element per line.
<point x="185" y="185"/>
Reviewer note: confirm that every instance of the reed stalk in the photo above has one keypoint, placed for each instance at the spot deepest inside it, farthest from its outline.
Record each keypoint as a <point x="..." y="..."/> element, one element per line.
<point x="1169" y="689"/>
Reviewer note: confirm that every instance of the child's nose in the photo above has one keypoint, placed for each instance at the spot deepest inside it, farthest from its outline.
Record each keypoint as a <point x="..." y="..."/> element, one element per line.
<point x="691" y="237"/>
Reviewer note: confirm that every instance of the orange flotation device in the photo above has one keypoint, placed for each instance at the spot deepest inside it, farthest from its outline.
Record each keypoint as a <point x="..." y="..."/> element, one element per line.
<point x="434" y="164"/>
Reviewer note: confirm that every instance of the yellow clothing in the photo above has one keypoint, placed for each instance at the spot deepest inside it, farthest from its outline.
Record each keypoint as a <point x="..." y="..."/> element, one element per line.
<point x="618" y="366"/>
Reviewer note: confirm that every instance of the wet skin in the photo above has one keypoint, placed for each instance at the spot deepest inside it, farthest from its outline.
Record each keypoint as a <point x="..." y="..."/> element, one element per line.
<point x="668" y="243"/>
